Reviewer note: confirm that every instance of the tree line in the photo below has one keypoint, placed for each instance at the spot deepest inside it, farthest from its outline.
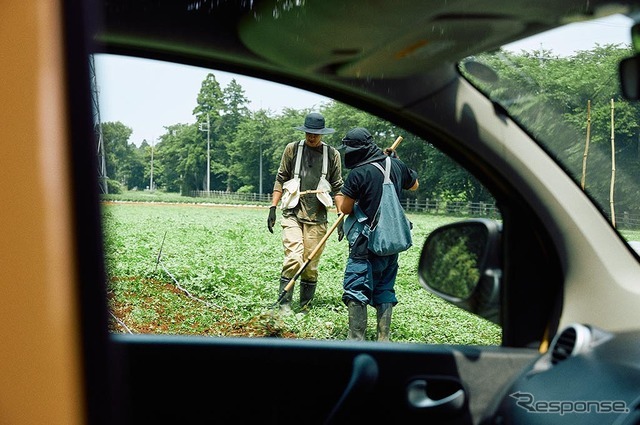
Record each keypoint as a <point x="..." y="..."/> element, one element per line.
<point x="243" y="142"/>
<point x="580" y="114"/>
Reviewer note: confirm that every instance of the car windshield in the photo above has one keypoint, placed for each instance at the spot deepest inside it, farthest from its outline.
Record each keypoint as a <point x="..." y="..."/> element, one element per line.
<point x="562" y="86"/>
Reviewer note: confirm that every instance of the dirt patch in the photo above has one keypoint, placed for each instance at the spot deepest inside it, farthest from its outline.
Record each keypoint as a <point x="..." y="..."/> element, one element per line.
<point x="180" y="322"/>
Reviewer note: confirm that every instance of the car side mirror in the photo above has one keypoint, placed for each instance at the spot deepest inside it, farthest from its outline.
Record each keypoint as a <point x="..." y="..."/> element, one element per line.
<point x="460" y="263"/>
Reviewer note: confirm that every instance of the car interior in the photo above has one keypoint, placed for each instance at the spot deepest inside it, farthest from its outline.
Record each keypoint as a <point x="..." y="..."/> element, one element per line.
<point x="553" y="272"/>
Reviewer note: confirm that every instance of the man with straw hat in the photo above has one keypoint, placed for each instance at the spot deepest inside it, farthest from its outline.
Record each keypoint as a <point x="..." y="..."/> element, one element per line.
<point x="310" y="172"/>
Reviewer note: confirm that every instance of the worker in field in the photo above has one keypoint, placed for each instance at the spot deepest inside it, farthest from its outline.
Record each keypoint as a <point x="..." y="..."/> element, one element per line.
<point x="370" y="273"/>
<point x="308" y="182"/>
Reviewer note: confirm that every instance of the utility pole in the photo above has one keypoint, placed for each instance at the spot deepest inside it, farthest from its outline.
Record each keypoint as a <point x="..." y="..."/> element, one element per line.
<point x="208" y="130"/>
<point x="151" y="173"/>
<point x="260" y="191"/>
<point x="208" y="157"/>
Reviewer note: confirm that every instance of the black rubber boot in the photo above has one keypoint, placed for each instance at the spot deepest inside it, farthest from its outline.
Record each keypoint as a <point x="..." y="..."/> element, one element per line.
<point x="307" y="291"/>
<point x="383" y="314"/>
<point x="285" y="304"/>
<point x="357" y="320"/>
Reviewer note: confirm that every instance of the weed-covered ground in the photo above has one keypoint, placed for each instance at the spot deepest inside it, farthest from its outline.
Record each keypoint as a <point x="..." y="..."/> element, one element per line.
<point x="214" y="270"/>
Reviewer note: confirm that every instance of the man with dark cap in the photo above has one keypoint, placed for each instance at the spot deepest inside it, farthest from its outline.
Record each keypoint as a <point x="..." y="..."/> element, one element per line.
<point x="310" y="171"/>
<point x="369" y="279"/>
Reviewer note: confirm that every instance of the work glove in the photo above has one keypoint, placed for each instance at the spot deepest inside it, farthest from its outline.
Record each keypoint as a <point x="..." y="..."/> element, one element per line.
<point x="340" y="230"/>
<point x="272" y="218"/>
<point x="391" y="152"/>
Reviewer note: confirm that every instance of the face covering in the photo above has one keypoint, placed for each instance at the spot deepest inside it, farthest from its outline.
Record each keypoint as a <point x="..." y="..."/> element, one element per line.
<point x="358" y="148"/>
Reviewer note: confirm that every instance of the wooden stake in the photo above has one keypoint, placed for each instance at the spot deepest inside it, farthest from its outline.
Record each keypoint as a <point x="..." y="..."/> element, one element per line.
<point x="613" y="168"/>
<point x="586" y="146"/>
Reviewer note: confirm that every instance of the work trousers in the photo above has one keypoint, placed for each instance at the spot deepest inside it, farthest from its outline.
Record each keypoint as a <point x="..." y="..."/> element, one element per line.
<point x="369" y="278"/>
<point x="299" y="240"/>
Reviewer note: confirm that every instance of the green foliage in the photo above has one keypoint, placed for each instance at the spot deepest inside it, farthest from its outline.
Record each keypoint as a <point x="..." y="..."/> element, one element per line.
<point x="114" y="186"/>
<point x="219" y="275"/>
<point x="123" y="163"/>
<point x="210" y="101"/>
<point x="246" y="189"/>
<point x="565" y="88"/>
<point x="246" y="147"/>
<point x="457" y="271"/>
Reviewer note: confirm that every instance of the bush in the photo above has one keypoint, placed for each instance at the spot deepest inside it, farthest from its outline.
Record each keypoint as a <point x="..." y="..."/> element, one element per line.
<point x="114" y="186"/>
<point x="246" y="189"/>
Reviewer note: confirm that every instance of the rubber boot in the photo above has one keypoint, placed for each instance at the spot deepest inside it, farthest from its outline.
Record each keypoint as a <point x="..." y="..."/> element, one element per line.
<point x="383" y="314"/>
<point x="357" y="320"/>
<point x="285" y="304"/>
<point x="307" y="291"/>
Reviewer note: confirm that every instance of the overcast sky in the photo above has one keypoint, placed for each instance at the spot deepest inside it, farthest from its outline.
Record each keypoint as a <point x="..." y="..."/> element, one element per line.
<point x="147" y="96"/>
<point x="567" y="40"/>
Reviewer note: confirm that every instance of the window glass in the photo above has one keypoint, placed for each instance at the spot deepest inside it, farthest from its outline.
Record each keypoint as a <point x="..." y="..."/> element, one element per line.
<point x="188" y="161"/>
<point x="563" y="87"/>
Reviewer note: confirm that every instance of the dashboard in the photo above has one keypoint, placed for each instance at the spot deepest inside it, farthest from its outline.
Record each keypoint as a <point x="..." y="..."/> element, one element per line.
<point x="588" y="376"/>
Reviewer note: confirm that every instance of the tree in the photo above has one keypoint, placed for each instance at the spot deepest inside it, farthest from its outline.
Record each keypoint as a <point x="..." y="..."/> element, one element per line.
<point x="210" y="105"/>
<point x="234" y="113"/>
<point x="136" y="168"/>
<point x="119" y="156"/>
<point x="562" y="87"/>
<point x="181" y="159"/>
<point x="251" y="153"/>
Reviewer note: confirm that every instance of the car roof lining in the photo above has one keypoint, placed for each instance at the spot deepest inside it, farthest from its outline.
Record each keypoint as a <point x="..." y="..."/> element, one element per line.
<point x="284" y="39"/>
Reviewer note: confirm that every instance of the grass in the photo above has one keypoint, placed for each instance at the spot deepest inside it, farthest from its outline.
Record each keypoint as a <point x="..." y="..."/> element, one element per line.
<point x="219" y="269"/>
<point x="219" y="272"/>
<point x="159" y="196"/>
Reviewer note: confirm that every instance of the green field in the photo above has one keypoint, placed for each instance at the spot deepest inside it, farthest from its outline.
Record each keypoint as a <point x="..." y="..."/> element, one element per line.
<point x="219" y="274"/>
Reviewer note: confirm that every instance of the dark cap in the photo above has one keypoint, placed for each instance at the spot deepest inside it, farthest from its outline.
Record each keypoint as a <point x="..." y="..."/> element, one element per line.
<point x="314" y="123"/>
<point x="357" y="137"/>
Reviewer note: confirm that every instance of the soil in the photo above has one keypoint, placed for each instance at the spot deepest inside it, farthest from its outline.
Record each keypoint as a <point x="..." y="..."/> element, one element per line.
<point x="266" y="324"/>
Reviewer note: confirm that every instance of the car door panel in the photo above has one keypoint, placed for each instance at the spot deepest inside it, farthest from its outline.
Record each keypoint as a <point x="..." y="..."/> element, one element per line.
<point x="297" y="381"/>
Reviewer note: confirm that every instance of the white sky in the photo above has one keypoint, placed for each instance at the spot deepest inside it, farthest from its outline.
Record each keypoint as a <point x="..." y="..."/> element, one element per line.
<point x="147" y="96"/>
<point x="571" y="38"/>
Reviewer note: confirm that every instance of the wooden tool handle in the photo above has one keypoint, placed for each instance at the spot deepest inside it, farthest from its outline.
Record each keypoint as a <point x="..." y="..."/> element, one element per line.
<point x="292" y="281"/>
<point x="396" y="143"/>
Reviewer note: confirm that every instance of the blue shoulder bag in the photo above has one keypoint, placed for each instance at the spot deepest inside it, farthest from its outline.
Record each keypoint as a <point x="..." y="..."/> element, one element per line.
<point x="391" y="230"/>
